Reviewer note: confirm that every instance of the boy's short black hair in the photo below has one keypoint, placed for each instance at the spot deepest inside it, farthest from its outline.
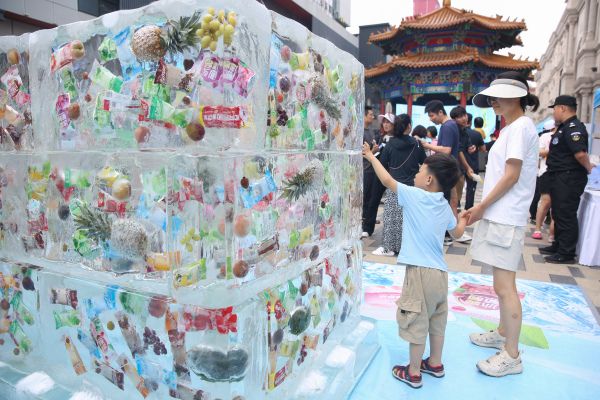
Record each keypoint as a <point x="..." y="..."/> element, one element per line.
<point x="435" y="106"/>
<point x="478" y="122"/>
<point x="457" y="112"/>
<point x="445" y="169"/>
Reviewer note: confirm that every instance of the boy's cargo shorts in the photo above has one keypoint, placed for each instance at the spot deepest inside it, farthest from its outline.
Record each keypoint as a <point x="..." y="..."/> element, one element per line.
<point x="423" y="305"/>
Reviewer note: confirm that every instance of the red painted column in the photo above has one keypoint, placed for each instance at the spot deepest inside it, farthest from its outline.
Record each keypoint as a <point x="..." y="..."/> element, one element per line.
<point x="381" y="106"/>
<point x="463" y="100"/>
<point x="409" y="104"/>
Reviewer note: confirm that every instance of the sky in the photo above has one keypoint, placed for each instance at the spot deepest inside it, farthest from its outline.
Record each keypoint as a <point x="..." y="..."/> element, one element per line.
<point x="541" y="16"/>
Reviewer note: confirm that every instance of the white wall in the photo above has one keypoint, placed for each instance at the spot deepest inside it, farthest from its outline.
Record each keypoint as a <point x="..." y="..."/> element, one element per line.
<point x="57" y="12"/>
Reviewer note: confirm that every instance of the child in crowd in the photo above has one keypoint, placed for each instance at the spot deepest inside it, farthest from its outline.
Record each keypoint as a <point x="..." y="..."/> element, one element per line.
<point x="423" y="306"/>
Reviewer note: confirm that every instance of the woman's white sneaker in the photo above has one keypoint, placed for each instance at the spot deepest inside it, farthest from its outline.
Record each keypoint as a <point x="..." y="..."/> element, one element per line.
<point x="488" y="339"/>
<point x="501" y="364"/>
<point x="380" y="251"/>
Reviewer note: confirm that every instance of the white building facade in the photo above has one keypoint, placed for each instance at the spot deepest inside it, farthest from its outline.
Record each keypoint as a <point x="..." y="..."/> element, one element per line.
<point x="571" y="63"/>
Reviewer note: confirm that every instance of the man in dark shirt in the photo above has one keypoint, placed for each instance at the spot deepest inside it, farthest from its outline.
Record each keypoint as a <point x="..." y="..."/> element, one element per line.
<point x="448" y="143"/>
<point x="460" y="116"/>
<point x="568" y="165"/>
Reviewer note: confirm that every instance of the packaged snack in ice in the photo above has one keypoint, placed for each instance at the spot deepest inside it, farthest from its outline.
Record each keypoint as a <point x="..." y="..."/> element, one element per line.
<point x="112" y="375"/>
<point x="172" y="76"/>
<point x="74" y="357"/>
<point x="104" y="78"/>
<point x="107" y="50"/>
<point x="19" y="337"/>
<point x="69" y="84"/>
<point x="111" y="101"/>
<point x="152" y="372"/>
<point x="66" y="297"/>
<point x="62" y="106"/>
<point x="66" y="318"/>
<point x="133" y="376"/>
<point x="66" y="55"/>
<point x="224" y="117"/>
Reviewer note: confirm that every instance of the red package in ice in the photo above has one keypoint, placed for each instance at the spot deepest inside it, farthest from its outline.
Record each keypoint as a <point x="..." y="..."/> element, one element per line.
<point x="66" y="54"/>
<point x="62" y="104"/>
<point x="223" y="117"/>
<point x="107" y="203"/>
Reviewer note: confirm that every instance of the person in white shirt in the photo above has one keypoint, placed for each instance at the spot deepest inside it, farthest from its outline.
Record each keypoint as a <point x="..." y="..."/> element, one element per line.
<point x="543" y="184"/>
<point x="503" y="213"/>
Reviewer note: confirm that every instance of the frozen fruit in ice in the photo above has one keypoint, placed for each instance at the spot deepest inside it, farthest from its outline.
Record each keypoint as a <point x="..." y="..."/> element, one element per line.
<point x="314" y="253"/>
<point x="244" y="182"/>
<point x="187" y="100"/>
<point x="128" y="238"/>
<point x="299" y="320"/>
<point x="13" y="56"/>
<point x="286" y="53"/>
<point x="240" y="269"/>
<point x="188" y="64"/>
<point x="4" y="304"/>
<point x="214" y="365"/>
<point x="121" y="189"/>
<point x="28" y="283"/>
<point x="241" y="226"/>
<point x="232" y="18"/>
<point x="16" y="351"/>
<point x="195" y="131"/>
<point x="77" y="49"/>
<point x="284" y="84"/>
<point x="157" y="306"/>
<point x="279" y="97"/>
<point x="73" y="111"/>
<point x="85" y="75"/>
<point x="303" y="288"/>
<point x="205" y="41"/>
<point x="110" y="325"/>
<point x="64" y="211"/>
<point x="87" y="97"/>
<point x="141" y="133"/>
<point x="323" y="127"/>
<point x="277" y="337"/>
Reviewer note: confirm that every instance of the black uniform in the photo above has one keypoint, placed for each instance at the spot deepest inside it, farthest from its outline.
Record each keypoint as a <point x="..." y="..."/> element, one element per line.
<point x="568" y="180"/>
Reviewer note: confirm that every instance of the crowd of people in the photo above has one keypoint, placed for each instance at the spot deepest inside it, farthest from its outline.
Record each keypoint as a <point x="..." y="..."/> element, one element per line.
<point x="421" y="174"/>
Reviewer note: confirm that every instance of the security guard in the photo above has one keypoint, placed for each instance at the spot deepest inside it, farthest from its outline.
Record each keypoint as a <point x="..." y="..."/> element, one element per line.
<point x="568" y="166"/>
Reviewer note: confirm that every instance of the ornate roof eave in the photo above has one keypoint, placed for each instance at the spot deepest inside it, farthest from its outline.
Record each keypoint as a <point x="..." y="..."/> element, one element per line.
<point x="451" y="58"/>
<point x="446" y="17"/>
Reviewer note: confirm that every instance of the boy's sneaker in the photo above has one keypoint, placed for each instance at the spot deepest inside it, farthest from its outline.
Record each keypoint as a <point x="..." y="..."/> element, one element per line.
<point x="501" y="364"/>
<point x="380" y="251"/>
<point x="427" y="368"/>
<point x="400" y="372"/>
<point x="488" y="339"/>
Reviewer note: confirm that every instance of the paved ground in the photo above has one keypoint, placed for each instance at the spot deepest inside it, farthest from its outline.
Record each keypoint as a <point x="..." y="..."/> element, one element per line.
<point x="532" y="265"/>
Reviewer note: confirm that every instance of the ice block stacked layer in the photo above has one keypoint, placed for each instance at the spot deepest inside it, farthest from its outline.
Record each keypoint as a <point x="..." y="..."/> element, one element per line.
<point x="182" y="178"/>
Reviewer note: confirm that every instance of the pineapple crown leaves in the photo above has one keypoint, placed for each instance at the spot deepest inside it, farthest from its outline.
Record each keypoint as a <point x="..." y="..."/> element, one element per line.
<point x="302" y="182"/>
<point x="181" y="35"/>
<point x="93" y="222"/>
<point x="321" y="97"/>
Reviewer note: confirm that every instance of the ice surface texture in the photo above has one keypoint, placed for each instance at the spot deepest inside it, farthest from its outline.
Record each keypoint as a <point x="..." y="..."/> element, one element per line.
<point x="167" y="175"/>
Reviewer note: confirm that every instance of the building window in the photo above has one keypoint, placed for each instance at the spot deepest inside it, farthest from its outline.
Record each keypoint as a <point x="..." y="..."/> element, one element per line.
<point x="97" y="7"/>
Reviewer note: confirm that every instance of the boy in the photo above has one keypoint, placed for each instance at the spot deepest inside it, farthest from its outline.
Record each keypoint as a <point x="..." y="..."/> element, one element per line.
<point x="423" y="306"/>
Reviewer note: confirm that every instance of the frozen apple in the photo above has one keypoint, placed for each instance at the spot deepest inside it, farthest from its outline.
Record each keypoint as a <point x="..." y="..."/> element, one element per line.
<point x="13" y="56"/>
<point x="74" y="111"/>
<point x="195" y="131"/>
<point x="141" y="133"/>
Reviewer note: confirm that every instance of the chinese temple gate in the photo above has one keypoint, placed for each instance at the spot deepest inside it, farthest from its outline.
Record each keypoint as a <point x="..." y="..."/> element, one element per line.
<point x="448" y="54"/>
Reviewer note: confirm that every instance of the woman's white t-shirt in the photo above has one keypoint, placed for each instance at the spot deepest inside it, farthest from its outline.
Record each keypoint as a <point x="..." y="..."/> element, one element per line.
<point x="518" y="140"/>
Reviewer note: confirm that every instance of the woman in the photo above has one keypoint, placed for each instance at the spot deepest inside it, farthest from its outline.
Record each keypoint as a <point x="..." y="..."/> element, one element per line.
<point x="402" y="157"/>
<point x="507" y="192"/>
